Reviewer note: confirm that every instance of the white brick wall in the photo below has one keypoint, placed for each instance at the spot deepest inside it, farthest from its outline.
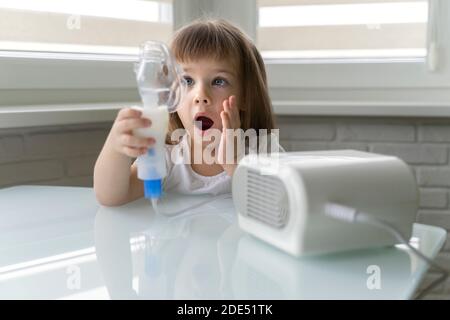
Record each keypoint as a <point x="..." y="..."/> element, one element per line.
<point x="434" y="133"/>
<point x="375" y="132"/>
<point x="434" y="198"/>
<point x="434" y="176"/>
<point x="50" y="155"/>
<point x="16" y="173"/>
<point x="66" y="155"/>
<point x="414" y="153"/>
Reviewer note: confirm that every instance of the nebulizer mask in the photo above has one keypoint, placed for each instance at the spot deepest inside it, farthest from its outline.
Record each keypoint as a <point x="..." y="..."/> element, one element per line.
<point x="159" y="82"/>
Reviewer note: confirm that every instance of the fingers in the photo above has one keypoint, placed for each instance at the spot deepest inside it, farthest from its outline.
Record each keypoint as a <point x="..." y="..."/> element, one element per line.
<point x="126" y="113"/>
<point x="133" y="152"/>
<point x="124" y="141"/>
<point x="130" y="124"/>
<point x="230" y="108"/>
<point x="129" y="140"/>
<point x="129" y="119"/>
<point x="226" y="123"/>
<point x="133" y="146"/>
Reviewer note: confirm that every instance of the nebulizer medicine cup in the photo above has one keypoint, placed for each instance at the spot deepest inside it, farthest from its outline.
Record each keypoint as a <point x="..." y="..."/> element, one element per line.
<point x="159" y="84"/>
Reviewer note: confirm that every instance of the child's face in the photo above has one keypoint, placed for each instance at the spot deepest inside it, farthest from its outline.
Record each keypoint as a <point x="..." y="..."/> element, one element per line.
<point x="208" y="84"/>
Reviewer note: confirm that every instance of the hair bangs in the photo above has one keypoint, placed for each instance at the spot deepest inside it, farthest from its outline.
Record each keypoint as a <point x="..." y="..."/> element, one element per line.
<point x="205" y="40"/>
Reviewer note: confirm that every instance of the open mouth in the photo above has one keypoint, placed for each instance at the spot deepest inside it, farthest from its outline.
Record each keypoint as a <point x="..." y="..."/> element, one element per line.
<point x="203" y="123"/>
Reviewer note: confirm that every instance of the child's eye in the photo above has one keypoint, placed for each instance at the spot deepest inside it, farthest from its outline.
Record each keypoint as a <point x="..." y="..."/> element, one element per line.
<point x="188" y="81"/>
<point x="220" y="82"/>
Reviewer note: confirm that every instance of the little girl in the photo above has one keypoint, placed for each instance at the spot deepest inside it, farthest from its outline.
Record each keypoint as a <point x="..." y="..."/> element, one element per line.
<point x="226" y="88"/>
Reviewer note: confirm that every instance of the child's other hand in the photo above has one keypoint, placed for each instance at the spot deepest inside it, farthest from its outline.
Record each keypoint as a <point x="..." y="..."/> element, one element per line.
<point x="121" y="136"/>
<point x="230" y="114"/>
<point x="230" y="120"/>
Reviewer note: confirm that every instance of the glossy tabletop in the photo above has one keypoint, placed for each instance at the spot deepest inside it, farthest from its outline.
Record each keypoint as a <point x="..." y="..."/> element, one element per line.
<point x="59" y="243"/>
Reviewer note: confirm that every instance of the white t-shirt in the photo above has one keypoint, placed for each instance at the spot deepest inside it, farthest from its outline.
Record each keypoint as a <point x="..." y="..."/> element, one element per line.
<point x="182" y="178"/>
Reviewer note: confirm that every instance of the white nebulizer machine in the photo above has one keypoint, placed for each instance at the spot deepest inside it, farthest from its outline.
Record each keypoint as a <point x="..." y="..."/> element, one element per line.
<point x="158" y="80"/>
<point x="302" y="202"/>
<point x="318" y="202"/>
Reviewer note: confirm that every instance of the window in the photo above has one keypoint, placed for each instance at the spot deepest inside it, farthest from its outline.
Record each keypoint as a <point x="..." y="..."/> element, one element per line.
<point x="83" y="26"/>
<point x="71" y="52"/>
<point x="357" y="57"/>
<point x="342" y="29"/>
<point x="323" y="57"/>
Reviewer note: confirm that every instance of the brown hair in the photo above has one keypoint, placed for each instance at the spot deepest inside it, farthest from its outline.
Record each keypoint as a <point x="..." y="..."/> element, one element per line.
<point x="220" y="40"/>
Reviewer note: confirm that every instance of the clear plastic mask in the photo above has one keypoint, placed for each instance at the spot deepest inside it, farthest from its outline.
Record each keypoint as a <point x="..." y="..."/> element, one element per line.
<point x="158" y="76"/>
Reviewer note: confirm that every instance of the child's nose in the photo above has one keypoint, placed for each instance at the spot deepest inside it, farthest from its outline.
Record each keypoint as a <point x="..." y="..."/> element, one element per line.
<point x="202" y="98"/>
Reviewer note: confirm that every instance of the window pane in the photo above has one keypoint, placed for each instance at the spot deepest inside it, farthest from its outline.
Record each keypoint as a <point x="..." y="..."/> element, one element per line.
<point x="86" y="26"/>
<point x="342" y="28"/>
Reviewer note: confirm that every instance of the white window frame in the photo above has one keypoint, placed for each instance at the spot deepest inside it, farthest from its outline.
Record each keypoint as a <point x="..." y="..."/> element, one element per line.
<point x="396" y="87"/>
<point x="407" y="87"/>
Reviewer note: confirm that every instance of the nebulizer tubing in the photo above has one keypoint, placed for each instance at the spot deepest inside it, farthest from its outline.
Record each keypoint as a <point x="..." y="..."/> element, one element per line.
<point x="159" y="84"/>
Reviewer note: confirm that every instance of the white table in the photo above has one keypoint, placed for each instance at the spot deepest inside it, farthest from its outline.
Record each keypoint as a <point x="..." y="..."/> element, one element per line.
<point x="58" y="243"/>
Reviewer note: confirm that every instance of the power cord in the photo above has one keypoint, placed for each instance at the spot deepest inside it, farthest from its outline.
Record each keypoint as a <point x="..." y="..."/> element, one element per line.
<point x="351" y="215"/>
